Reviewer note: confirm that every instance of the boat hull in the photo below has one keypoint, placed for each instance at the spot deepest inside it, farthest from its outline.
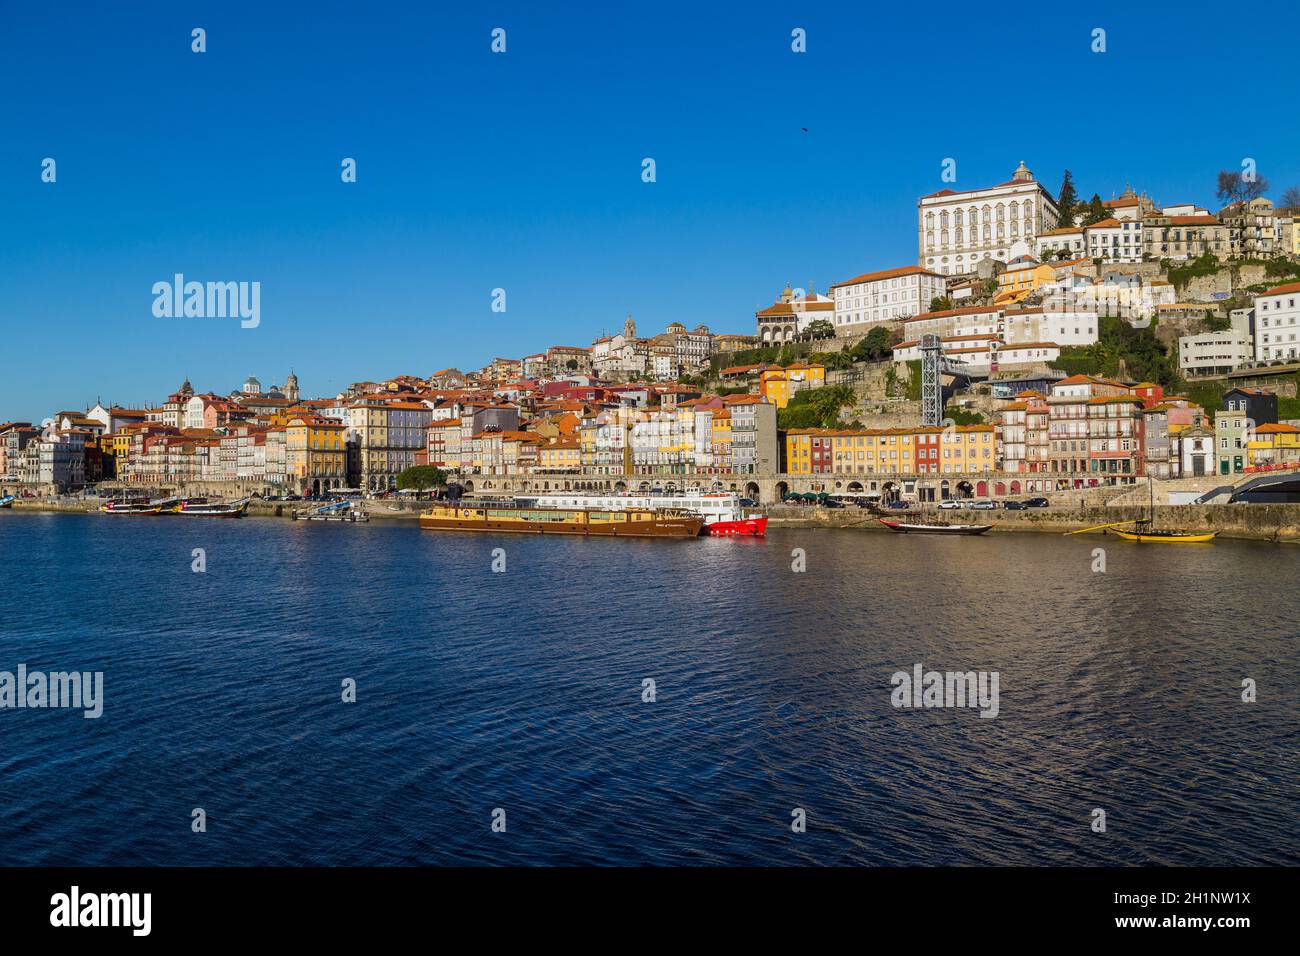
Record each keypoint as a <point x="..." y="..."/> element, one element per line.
<point x="751" y="527"/>
<point x="1173" y="538"/>
<point x="131" y="512"/>
<point x="684" y="526"/>
<point x="903" y="527"/>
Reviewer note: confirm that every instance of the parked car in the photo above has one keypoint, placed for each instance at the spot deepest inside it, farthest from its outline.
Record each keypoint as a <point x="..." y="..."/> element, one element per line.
<point x="1012" y="505"/>
<point x="951" y="504"/>
<point x="831" y="503"/>
<point x="748" y="503"/>
<point x="984" y="505"/>
<point x="1035" y="503"/>
<point x="862" y="502"/>
<point x="899" y="505"/>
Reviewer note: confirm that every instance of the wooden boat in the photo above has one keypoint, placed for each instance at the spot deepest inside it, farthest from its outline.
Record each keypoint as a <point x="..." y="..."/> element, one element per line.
<point x="1142" y="531"/>
<point x="7" y="501"/>
<point x="203" y="508"/>
<point x="933" y="527"/>
<point x="130" y="508"/>
<point x="508" y="518"/>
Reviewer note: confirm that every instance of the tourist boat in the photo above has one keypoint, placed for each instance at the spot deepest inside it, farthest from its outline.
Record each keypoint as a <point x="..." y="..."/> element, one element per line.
<point x="203" y="508"/>
<point x="127" y="507"/>
<point x="722" y="512"/>
<point x="510" y="517"/>
<point x="7" y="501"/>
<point x="334" y="511"/>
<point x="933" y="527"/>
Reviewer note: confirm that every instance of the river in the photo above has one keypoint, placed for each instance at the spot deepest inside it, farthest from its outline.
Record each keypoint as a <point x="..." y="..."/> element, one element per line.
<point x="524" y="691"/>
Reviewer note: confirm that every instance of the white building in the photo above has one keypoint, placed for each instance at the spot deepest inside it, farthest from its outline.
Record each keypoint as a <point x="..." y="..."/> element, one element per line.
<point x="1215" y="353"/>
<point x="1126" y="296"/>
<point x="1277" y="322"/>
<point x="958" y="229"/>
<point x="1114" y="240"/>
<point x="1048" y="325"/>
<point x="876" y="297"/>
<point x="1068" y="243"/>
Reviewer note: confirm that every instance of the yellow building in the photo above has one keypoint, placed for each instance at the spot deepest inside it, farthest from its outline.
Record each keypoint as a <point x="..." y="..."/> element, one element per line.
<point x="564" y="455"/>
<point x="1272" y="444"/>
<point x="1025" y="275"/>
<point x="315" y="454"/>
<point x="968" y="450"/>
<point x="778" y="384"/>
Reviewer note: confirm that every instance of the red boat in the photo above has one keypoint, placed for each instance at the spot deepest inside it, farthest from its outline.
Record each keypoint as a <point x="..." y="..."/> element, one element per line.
<point x="755" y="527"/>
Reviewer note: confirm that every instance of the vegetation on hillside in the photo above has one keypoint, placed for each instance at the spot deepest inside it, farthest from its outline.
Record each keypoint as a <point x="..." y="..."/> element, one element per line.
<point x="1143" y="356"/>
<point x="816" y="407"/>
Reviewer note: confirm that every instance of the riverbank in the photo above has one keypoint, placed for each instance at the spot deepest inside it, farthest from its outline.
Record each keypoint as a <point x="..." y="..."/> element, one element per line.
<point x="1255" y="522"/>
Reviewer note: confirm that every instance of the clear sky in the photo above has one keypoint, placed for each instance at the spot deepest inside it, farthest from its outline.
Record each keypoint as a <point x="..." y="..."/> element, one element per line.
<point x="523" y="170"/>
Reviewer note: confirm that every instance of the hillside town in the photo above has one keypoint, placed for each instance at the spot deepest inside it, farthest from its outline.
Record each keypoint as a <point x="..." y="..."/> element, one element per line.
<point x="1081" y="343"/>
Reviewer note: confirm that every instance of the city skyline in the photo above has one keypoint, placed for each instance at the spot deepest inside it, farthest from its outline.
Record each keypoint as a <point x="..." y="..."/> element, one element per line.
<point x="525" y="176"/>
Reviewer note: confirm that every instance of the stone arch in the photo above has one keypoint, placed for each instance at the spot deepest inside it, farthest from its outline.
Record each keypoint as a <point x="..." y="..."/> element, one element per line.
<point x="855" y="486"/>
<point x="964" y="489"/>
<point x="982" y="488"/>
<point x="782" y="489"/>
<point x="469" y="486"/>
<point x="751" y="490"/>
<point x="620" y="486"/>
<point x="999" y="488"/>
<point x="1015" y="487"/>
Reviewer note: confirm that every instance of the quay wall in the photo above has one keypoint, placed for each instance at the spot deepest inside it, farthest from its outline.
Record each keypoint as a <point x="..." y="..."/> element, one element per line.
<point x="1261" y="522"/>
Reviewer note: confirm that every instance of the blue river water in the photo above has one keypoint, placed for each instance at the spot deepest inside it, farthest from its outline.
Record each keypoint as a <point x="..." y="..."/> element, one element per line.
<point x="523" y="690"/>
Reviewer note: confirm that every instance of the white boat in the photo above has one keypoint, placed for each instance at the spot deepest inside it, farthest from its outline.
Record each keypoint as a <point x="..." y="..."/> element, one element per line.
<point x="7" y="501"/>
<point x="722" y="511"/>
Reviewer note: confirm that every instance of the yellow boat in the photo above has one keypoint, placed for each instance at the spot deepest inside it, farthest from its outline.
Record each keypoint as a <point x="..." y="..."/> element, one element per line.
<point x="1162" y="535"/>
<point x="502" y="516"/>
<point x="1144" y="529"/>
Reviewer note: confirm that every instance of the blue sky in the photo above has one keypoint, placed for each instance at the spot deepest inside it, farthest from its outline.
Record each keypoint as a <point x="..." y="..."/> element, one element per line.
<point x="522" y="170"/>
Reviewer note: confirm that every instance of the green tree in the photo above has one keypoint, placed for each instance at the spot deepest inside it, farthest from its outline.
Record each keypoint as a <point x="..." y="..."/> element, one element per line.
<point x="1095" y="211"/>
<point x="940" y="303"/>
<point x="421" y="478"/>
<point x="820" y="329"/>
<point x="816" y="407"/>
<point x="1067" y="200"/>
<point x="877" y="344"/>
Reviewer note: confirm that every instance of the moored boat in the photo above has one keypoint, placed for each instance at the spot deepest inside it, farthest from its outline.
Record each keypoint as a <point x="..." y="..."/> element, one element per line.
<point x="507" y="517"/>
<point x="723" y="513"/>
<point x="203" y="508"/>
<point x="130" y="508"/>
<point x="933" y="527"/>
<point x="7" y="501"/>
<point x="1163" y="535"/>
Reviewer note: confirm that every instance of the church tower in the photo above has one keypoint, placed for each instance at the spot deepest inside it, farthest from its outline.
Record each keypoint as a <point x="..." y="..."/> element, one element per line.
<point x="629" y="329"/>
<point x="291" y="388"/>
